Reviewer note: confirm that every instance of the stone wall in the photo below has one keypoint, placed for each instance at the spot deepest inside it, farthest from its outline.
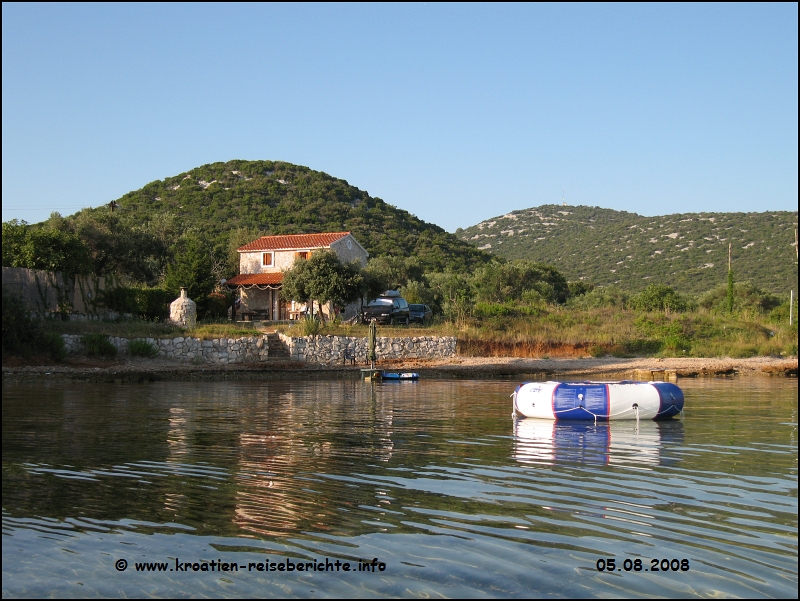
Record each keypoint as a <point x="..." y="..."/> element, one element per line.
<point x="313" y="349"/>
<point x="329" y="349"/>
<point x="219" y="350"/>
<point x="46" y="292"/>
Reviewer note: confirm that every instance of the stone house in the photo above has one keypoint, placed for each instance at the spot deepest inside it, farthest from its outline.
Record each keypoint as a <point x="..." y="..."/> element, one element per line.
<point x="263" y="261"/>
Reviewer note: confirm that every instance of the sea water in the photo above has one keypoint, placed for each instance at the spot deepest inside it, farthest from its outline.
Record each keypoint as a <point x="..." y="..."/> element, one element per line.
<point x="422" y="489"/>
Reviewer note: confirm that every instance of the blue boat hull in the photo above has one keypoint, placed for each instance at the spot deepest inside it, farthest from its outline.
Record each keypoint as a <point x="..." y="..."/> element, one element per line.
<point x="400" y="376"/>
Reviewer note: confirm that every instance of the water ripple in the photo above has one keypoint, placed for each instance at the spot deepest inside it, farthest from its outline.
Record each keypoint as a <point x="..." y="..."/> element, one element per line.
<point x="434" y="479"/>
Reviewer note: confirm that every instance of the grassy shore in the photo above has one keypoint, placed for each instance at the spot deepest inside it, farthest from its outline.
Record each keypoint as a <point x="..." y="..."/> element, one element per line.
<point x="625" y="333"/>
<point x="555" y="332"/>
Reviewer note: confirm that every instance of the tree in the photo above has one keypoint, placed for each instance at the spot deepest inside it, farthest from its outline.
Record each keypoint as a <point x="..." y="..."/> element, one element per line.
<point x="730" y="292"/>
<point x="747" y="297"/>
<point x="499" y="282"/>
<point x="372" y="283"/>
<point x="48" y="250"/>
<point x="453" y="293"/>
<point x="417" y="293"/>
<point x="395" y="271"/>
<point x="323" y="278"/>
<point x="296" y="286"/>
<point x="122" y="245"/>
<point x="190" y="269"/>
<point x="579" y="288"/>
<point x="15" y="236"/>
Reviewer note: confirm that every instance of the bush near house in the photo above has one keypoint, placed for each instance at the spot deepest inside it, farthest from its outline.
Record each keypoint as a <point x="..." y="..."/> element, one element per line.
<point x="142" y="348"/>
<point x="98" y="345"/>
<point x="23" y="335"/>
<point x="147" y="303"/>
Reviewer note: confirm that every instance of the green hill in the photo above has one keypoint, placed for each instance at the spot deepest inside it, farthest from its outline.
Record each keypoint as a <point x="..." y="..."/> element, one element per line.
<point x="688" y="251"/>
<point x="274" y="197"/>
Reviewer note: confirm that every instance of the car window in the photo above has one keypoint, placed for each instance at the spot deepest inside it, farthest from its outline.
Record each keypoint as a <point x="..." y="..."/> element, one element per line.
<point x="417" y="307"/>
<point x="380" y="302"/>
<point x="402" y="302"/>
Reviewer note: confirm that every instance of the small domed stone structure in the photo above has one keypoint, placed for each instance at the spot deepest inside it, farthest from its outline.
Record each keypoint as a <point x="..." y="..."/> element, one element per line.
<point x="183" y="311"/>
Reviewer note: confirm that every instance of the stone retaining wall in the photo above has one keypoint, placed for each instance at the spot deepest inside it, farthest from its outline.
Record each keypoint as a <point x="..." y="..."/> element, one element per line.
<point x="314" y="349"/>
<point x="329" y="349"/>
<point x="219" y="350"/>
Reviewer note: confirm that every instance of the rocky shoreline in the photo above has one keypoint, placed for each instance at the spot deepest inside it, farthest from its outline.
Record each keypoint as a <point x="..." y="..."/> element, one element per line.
<point x="143" y="370"/>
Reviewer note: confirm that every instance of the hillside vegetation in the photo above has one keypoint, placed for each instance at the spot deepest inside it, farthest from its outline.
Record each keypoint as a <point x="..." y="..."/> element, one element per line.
<point x="184" y="232"/>
<point x="273" y="197"/>
<point x="688" y="251"/>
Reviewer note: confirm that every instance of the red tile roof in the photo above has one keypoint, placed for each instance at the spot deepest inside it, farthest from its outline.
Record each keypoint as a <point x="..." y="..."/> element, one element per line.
<point x="293" y="241"/>
<point x="258" y="279"/>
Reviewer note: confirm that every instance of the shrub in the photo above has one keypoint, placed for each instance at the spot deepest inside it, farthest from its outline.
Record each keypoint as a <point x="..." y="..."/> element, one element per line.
<point x="24" y="335"/>
<point x="747" y="297"/>
<point x="153" y="303"/>
<point x="780" y="314"/>
<point x="147" y="303"/>
<point x="216" y="306"/>
<point x="53" y="344"/>
<point x="664" y="333"/>
<point x="98" y="345"/>
<point x="19" y="331"/>
<point x="677" y="342"/>
<point x="642" y="346"/>
<point x="597" y="351"/>
<point x="493" y="310"/>
<point x="579" y="288"/>
<point x="610" y="296"/>
<point x="142" y="348"/>
<point x="658" y="297"/>
<point x="310" y="326"/>
<point x="535" y="297"/>
<point x="119" y="299"/>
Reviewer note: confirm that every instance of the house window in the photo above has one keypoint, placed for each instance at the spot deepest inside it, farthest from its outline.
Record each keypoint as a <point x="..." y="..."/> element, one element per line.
<point x="303" y="255"/>
<point x="266" y="259"/>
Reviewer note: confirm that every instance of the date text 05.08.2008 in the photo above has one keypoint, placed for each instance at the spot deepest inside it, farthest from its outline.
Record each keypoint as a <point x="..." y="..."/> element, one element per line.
<point x="636" y="565"/>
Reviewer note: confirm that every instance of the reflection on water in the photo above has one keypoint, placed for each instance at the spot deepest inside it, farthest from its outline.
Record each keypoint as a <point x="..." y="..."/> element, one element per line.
<point x="433" y="478"/>
<point x="604" y="443"/>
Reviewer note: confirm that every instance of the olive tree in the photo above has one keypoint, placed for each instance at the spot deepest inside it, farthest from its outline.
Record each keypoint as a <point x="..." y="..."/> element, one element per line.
<point x="322" y="278"/>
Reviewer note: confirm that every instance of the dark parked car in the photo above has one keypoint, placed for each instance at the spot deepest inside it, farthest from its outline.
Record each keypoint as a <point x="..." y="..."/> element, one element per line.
<point x="388" y="310"/>
<point x="420" y="314"/>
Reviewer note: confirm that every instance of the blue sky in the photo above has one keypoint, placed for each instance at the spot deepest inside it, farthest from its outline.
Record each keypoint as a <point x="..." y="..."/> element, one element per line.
<point x="456" y="113"/>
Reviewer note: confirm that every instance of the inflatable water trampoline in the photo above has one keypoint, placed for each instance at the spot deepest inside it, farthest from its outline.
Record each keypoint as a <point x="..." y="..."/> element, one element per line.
<point x="598" y="401"/>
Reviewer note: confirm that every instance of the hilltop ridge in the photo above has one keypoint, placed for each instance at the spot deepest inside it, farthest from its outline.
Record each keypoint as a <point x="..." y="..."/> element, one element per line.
<point x="276" y="197"/>
<point x="688" y="251"/>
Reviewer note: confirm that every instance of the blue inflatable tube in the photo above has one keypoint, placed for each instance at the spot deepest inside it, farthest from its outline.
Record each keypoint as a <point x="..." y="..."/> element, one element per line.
<point x="598" y="401"/>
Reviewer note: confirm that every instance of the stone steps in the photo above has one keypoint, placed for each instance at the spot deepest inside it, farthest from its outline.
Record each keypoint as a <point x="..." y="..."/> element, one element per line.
<point x="276" y="349"/>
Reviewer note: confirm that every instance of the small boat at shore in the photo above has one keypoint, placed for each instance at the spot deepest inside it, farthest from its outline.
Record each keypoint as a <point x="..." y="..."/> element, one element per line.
<point x="388" y="375"/>
<point x="598" y="401"/>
